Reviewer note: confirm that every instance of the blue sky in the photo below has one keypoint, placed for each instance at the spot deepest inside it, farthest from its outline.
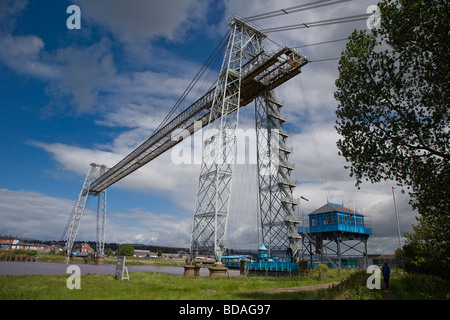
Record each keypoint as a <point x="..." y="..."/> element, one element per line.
<point x="72" y="97"/>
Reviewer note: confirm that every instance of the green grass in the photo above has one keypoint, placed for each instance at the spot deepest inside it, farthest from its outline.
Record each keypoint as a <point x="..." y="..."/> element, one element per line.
<point x="354" y="287"/>
<point x="153" y="286"/>
<point x="143" y="285"/>
<point x="420" y="287"/>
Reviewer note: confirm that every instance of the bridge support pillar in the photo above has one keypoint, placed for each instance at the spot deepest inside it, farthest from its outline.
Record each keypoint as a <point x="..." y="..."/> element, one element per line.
<point x="191" y="269"/>
<point x="218" y="270"/>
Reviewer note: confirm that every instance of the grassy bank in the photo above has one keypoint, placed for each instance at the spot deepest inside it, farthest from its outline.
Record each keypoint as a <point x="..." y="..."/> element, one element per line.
<point x="154" y="286"/>
<point x="354" y="287"/>
<point x="420" y="287"/>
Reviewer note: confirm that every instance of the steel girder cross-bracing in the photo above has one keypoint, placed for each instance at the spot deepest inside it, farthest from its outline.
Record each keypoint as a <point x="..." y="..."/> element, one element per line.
<point x="276" y="201"/>
<point x="71" y="230"/>
<point x="248" y="73"/>
<point x="214" y="185"/>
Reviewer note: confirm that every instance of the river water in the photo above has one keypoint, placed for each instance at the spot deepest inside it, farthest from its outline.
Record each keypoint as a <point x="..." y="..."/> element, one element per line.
<point x="48" y="268"/>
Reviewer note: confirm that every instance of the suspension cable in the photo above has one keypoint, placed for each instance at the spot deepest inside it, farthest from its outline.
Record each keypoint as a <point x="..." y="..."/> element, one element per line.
<point x="319" y="43"/>
<point x="313" y="136"/>
<point x="319" y="23"/>
<point x="302" y="7"/>
<point x="194" y="81"/>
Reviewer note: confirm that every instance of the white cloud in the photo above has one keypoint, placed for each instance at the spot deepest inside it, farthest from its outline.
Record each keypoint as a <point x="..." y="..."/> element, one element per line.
<point x="33" y="215"/>
<point x="145" y="227"/>
<point x="84" y="73"/>
<point x="141" y="20"/>
<point x="43" y="217"/>
<point x="24" y="56"/>
<point x="77" y="159"/>
<point x="161" y="176"/>
<point x="10" y="10"/>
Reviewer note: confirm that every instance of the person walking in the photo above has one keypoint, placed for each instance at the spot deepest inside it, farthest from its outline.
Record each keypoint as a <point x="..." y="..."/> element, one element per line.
<point x="386" y="271"/>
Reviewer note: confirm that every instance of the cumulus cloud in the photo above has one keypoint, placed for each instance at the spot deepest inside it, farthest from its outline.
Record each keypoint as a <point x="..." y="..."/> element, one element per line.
<point x="141" y="20"/>
<point x="24" y="55"/>
<point x="161" y="176"/>
<point x="38" y="216"/>
<point x="44" y="217"/>
<point x="85" y="72"/>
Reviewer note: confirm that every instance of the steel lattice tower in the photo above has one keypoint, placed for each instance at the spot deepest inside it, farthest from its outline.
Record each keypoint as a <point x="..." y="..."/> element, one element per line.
<point x="245" y="48"/>
<point x="71" y="230"/>
<point x="276" y="203"/>
<point x="214" y="185"/>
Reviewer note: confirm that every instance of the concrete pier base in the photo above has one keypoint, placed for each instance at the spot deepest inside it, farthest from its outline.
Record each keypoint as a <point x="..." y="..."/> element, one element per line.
<point x="191" y="269"/>
<point x="218" y="270"/>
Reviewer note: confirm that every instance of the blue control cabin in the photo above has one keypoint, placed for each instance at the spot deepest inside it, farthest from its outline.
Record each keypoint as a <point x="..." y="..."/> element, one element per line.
<point x="334" y="217"/>
<point x="334" y="231"/>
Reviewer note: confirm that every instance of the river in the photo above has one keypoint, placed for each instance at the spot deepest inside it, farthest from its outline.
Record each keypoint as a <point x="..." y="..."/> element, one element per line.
<point x="48" y="268"/>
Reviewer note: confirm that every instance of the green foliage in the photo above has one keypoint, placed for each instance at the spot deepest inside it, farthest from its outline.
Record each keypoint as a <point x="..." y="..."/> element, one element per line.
<point x="125" y="250"/>
<point x="145" y="285"/>
<point x="394" y="116"/>
<point x="352" y="288"/>
<point x="26" y="252"/>
<point x="420" y="287"/>
<point x="323" y="268"/>
<point x="108" y="252"/>
<point x="392" y="90"/>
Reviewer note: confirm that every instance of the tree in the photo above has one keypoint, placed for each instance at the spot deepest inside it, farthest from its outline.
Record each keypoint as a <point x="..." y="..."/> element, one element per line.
<point x="393" y="112"/>
<point x="108" y="252"/>
<point x="125" y="250"/>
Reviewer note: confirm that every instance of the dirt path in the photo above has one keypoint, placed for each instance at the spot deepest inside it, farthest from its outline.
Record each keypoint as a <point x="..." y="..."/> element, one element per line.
<point x="297" y="289"/>
<point x="388" y="295"/>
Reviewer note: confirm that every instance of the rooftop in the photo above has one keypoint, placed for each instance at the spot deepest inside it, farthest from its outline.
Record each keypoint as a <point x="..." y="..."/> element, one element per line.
<point x="333" y="207"/>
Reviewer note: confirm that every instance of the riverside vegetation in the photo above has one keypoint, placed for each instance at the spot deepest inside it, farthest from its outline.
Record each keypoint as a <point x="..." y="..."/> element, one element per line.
<point x="351" y="285"/>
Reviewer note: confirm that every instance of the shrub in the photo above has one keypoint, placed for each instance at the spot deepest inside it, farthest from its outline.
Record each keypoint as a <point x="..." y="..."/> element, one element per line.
<point x="27" y="252"/>
<point x="352" y="288"/>
<point x="420" y="286"/>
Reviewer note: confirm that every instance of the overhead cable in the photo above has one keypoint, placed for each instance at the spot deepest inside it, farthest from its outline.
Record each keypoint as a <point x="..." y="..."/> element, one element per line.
<point x="194" y="81"/>
<point x="311" y="24"/>
<point x="319" y="43"/>
<point x="302" y="7"/>
<point x="321" y="60"/>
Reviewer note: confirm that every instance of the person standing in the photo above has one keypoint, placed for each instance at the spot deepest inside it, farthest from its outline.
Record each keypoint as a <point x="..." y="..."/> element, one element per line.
<point x="386" y="271"/>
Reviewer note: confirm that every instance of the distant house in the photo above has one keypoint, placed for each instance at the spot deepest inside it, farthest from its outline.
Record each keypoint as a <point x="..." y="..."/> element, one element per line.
<point x="142" y="253"/>
<point x="86" y="249"/>
<point x="9" y="242"/>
